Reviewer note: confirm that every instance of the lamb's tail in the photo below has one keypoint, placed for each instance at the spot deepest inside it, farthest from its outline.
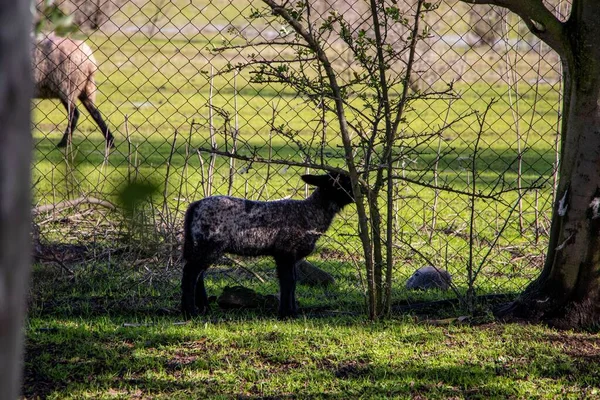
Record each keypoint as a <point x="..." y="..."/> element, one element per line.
<point x="188" y="240"/>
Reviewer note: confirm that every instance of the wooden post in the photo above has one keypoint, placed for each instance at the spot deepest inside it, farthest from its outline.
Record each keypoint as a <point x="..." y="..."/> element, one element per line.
<point x="15" y="161"/>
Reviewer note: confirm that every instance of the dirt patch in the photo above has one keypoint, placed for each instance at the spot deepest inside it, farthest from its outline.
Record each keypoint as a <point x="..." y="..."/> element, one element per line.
<point x="36" y="383"/>
<point x="282" y="397"/>
<point x="352" y="370"/>
<point x="333" y="254"/>
<point x="38" y="386"/>
<point x="576" y="345"/>
<point x="60" y="253"/>
<point x="179" y="361"/>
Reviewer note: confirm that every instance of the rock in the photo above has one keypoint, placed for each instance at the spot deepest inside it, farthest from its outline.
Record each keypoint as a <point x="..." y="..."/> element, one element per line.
<point x="429" y="277"/>
<point x="310" y="275"/>
<point x="243" y="297"/>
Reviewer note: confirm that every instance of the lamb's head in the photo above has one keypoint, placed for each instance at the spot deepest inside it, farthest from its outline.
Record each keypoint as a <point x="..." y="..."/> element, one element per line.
<point x="335" y="186"/>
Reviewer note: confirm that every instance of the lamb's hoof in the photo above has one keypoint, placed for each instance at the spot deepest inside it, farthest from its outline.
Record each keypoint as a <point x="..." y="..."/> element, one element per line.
<point x="287" y="316"/>
<point x="290" y="317"/>
<point x="194" y="312"/>
<point x="187" y="315"/>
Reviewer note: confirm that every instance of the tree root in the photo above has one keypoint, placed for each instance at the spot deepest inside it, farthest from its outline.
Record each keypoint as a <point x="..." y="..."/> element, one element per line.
<point x="551" y="312"/>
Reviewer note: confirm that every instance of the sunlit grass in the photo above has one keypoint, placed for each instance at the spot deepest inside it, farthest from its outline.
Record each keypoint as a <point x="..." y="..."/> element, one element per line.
<point x="110" y="328"/>
<point x="103" y="357"/>
<point x="154" y="92"/>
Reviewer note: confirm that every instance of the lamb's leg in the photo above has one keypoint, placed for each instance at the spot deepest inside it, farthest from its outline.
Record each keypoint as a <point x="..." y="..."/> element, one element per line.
<point x="201" y="297"/>
<point x="72" y="118"/>
<point x="89" y="105"/>
<point x="286" y="272"/>
<point x="193" y="293"/>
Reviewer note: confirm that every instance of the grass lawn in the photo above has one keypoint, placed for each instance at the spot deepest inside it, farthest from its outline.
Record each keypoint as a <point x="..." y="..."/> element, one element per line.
<point x="242" y="355"/>
<point x="113" y="330"/>
<point x="104" y="305"/>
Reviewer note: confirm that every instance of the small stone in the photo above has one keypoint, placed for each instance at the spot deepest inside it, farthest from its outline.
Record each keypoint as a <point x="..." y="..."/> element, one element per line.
<point x="429" y="277"/>
<point x="310" y="275"/>
<point x="243" y="297"/>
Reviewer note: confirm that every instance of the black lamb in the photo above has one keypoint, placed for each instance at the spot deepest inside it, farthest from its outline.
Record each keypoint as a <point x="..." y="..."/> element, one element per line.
<point x="287" y="230"/>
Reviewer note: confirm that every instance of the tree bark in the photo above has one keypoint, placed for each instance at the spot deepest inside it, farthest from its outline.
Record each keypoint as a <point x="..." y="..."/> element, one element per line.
<point x="15" y="255"/>
<point x="567" y="292"/>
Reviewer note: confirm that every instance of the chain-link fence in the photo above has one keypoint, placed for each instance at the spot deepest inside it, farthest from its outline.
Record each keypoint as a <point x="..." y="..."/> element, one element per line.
<point x="207" y="98"/>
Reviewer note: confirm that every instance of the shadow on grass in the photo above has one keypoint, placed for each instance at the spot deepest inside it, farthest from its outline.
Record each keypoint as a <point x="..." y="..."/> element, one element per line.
<point x="155" y="151"/>
<point x="125" y="288"/>
<point x="103" y="281"/>
<point x="113" y="328"/>
<point x="91" y="357"/>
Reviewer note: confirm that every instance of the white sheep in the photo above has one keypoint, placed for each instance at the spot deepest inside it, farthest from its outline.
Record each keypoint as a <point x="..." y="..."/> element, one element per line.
<point x="64" y="69"/>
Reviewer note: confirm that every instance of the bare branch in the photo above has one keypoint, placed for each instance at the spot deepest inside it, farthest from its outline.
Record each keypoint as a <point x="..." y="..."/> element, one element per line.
<point x="72" y="203"/>
<point x="323" y="167"/>
<point x="489" y="196"/>
<point x="254" y="159"/>
<point x="258" y="44"/>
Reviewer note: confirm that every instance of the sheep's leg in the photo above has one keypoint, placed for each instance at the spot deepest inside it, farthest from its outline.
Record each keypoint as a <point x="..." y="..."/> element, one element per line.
<point x="201" y="297"/>
<point x="193" y="298"/>
<point x="72" y="118"/>
<point x="286" y="271"/>
<point x="91" y="108"/>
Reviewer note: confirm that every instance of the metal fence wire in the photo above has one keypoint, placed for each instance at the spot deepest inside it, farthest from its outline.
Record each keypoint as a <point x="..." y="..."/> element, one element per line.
<point x="226" y="97"/>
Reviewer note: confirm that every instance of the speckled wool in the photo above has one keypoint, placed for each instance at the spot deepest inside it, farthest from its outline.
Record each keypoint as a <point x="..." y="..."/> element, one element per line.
<point x="284" y="229"/>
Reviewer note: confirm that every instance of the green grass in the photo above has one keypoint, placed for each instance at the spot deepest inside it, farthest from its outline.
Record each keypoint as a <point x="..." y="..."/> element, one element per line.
<point x="110" y="329"/>
<point x="152" y="89"/>
<point x="113" y="330"/>
<point x="252" y="356"/>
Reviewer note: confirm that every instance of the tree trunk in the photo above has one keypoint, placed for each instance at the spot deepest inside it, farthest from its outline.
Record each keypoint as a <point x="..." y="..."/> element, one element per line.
<point x="15" y="209"/>
<point x="567" y="293"/>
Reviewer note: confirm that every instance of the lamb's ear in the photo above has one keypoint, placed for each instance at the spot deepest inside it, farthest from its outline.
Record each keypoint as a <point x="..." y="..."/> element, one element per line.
<point x="315" y="180"/>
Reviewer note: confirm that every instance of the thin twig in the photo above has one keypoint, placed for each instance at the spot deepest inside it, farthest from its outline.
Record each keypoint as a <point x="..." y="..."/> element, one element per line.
<point x="513" y="84"/>
<point x="240" y="265"/>
<point x="268" y="175"/>
<point x="169" y="162"/>
<point x="436" y="176"/>
<point x="71" y="204"/>
<point x="470" y="275"/>
<point x="234" y="135"/>
<point x="211" y="127"/>
<point x="128" y="148"/>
